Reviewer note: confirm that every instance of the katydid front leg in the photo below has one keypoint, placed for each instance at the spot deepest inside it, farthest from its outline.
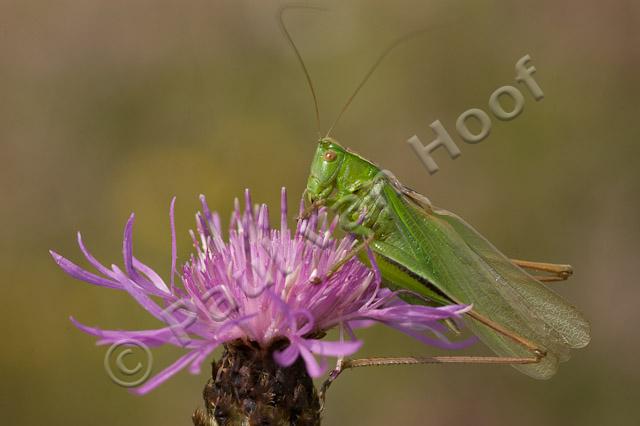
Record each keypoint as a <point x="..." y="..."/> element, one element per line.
<point x="368" y="237"/>
<point x="345" y="206"/>
<point x="307" y="212"/>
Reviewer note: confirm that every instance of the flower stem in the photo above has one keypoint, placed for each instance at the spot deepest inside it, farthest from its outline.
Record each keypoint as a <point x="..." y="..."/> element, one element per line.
<point x="247" y="387"/>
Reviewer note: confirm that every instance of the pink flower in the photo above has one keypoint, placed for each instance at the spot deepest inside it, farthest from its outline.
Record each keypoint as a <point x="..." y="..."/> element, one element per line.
<point x="257" y="288"/>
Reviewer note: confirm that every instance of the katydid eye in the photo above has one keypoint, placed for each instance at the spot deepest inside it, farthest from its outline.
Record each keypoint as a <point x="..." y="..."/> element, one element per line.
<point x="330" y="156"/>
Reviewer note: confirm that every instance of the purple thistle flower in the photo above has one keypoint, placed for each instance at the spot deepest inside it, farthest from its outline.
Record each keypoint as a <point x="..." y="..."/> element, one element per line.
<point x="257" y="288"/>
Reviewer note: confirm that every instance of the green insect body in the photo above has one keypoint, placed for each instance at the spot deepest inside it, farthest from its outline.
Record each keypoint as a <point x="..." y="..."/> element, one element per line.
<point x="435" y="254"/>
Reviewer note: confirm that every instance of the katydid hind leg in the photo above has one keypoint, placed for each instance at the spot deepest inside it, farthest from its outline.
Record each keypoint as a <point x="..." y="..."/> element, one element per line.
<point x="549" y="278"/>
<point x="345" y="364"/>
<point x="524" y="342"/>
<point x="559" y="272"/>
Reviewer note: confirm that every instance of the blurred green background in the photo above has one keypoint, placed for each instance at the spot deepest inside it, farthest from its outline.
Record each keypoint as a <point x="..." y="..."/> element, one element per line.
<point x="113" y="107"/>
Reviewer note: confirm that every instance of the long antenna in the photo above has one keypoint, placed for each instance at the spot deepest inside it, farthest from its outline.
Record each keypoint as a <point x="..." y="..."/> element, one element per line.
<point x="375" y="65"/>
<point x="299" y="56"/>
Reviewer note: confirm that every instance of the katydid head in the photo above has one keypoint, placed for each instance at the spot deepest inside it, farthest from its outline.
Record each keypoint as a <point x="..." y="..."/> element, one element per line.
<point x="324" y="169"/>
<point x="330" y="161"/>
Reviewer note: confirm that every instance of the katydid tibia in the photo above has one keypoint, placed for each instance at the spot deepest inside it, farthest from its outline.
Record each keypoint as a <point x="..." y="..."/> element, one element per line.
<point x="439" y="257"/>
